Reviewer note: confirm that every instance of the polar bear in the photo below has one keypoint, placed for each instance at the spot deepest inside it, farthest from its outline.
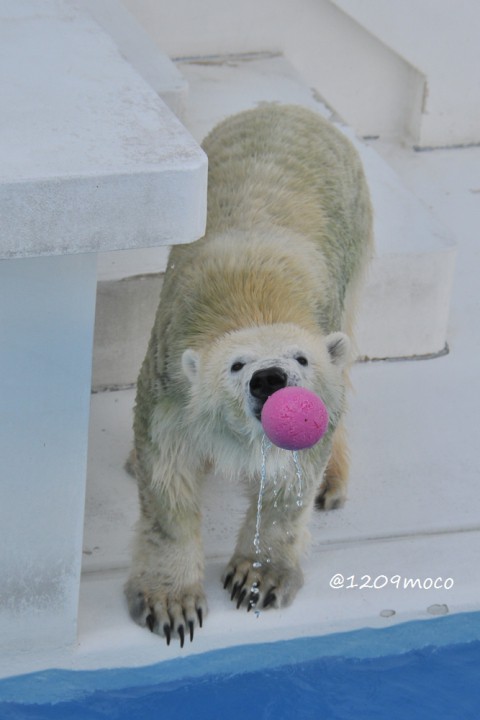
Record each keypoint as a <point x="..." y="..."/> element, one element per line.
<point x="264" y="300"/>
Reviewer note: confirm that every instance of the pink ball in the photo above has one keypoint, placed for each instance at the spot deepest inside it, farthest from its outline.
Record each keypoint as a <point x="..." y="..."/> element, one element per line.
<point x="294" y="418"/>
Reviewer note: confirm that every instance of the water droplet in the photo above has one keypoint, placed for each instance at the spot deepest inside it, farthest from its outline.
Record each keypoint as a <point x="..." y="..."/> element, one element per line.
<point x="387" y="613"/>
<point x="438" y="610"/>
<point x="266" y="445"/>
<point x="299" y="475"/>
<point x="294" y="488"/>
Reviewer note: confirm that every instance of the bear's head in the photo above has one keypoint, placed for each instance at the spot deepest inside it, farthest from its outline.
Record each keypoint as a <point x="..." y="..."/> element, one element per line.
<point x="232" y="378"/>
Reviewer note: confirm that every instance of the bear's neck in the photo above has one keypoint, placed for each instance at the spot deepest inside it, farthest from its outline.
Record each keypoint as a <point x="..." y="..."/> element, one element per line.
<point x="254" y="277"/>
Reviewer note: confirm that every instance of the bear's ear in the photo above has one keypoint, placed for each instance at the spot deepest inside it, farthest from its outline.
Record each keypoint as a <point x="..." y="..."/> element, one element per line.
<point x="190" y="364"/>
<point x="338" y="346"/>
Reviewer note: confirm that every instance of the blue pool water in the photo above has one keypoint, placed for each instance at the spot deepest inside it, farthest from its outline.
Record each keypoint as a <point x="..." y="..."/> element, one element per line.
<point x="428" y="669"/>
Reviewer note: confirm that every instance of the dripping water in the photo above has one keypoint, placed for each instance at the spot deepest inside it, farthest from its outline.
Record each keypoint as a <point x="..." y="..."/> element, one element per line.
<point x="265" y="447"/>
<point x="299" y="476"/>
<point x="257" y="563"/>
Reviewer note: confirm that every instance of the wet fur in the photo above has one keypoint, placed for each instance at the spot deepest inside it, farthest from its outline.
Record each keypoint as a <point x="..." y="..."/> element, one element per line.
<point x="287" y="241"/>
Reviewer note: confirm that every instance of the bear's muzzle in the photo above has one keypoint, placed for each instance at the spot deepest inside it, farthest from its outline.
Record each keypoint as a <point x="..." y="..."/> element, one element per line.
<point x="264" y="383"/>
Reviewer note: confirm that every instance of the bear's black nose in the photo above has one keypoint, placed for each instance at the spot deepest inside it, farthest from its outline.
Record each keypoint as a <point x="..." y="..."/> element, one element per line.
<point x="265" y="382"/>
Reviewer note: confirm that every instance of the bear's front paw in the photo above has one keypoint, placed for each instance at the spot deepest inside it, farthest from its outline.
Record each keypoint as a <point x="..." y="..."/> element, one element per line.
<point x="253" y="584"/>
<point x="166" y="613"/>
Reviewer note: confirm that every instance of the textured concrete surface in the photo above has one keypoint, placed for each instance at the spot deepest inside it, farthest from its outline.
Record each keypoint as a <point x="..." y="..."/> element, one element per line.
<point x="92" y="159"/>
<point x="413" y="500"/>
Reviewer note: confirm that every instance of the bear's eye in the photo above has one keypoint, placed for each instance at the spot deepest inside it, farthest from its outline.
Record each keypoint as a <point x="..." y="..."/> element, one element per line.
<point x="302" y="360"/>
<point x="236" y="367"/>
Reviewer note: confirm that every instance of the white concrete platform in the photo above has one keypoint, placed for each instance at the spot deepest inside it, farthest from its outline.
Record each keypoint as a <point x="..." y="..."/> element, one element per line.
<point x="92" y="159"/>
<point x="405" y="309"/>
<point x="413" y="502"/>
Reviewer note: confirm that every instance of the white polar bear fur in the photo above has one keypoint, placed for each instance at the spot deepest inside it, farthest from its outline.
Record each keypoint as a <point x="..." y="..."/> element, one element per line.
<point x="273" y="284"/>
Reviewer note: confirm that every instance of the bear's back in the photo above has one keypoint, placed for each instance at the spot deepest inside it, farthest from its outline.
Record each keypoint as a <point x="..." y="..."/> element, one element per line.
<point x="288" y="226"/>
<point x="287" y="166"/>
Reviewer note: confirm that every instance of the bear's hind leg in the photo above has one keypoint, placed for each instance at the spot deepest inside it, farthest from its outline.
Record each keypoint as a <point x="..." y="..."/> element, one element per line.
<point x="333" y="491"/>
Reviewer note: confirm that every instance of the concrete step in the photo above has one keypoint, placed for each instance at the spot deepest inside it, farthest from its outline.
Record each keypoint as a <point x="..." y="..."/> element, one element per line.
<point x="401" y="71"/>
<point x="140" y="51"/>
<point x="368" y="83"/>
<point x="440" y="47"/>
<point x="405" y="307"/>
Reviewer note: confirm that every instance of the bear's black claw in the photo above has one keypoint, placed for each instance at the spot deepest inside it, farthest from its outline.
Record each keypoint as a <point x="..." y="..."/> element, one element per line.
<point x="241" y="598"/>
<point x="269" y="598"/>
<point x="167" y="632"/>
<point x="181" y="635"/>
<point x="150" y="621"/>
<point x="228" y="580"/>
<point x="235" y="589"/>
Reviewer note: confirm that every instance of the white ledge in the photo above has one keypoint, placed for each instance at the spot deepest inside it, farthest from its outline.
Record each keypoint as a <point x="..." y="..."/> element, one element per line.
<point x="92" y="159"/>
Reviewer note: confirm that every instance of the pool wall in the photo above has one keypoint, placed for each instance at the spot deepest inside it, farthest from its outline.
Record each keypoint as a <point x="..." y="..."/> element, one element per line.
<point x="55" y="685"/>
